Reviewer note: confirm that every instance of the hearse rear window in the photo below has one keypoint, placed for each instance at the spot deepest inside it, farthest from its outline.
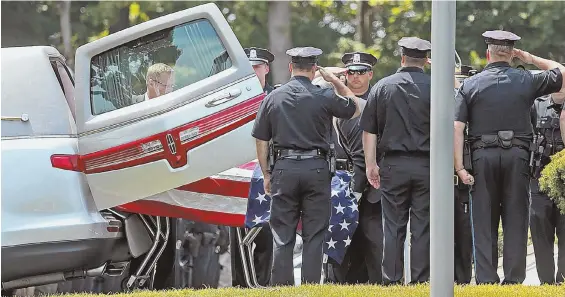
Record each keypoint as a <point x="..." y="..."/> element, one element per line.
<point x="154" y="65"/>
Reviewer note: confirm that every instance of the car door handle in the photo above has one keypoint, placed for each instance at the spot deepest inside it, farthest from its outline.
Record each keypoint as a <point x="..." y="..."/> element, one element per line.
<point x="232" y="94"/>
<point x="24" y="118"/>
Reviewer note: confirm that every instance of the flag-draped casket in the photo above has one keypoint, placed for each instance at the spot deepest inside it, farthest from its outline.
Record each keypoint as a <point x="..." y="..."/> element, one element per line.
<point x="236" y="198"/>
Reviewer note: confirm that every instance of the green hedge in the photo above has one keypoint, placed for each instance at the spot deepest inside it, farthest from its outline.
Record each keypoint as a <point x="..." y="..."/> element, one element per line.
<point x="552" y="180"/>
<point x="360" y="291"/>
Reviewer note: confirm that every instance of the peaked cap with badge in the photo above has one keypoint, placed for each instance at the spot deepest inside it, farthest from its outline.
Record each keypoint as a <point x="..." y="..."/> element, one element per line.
<point x="359" y="61"/>
<point x="304" y="55"/>
<point x="499" y="37"/>
<point x="415" y="47"/>
<point x="259" y="55"/>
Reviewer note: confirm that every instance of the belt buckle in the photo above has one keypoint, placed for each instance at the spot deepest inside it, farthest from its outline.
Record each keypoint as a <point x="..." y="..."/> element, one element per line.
<point x="456" y="179"/>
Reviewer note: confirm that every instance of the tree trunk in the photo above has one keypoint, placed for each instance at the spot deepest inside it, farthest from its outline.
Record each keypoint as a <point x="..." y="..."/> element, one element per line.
<point x="364" y="23"/>
<point x="66" y="33"/>
<point x="123" y="20"/>
<point x="279" y="39"/>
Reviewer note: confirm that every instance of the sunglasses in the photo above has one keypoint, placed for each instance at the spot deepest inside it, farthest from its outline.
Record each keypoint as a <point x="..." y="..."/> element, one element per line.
<point x="360" y="72"/>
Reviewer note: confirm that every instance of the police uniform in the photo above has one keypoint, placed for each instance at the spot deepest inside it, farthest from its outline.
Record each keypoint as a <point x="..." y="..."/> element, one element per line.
<point x="362" y="262"/>
<point x="398" y="112"/>
<point x="546" y="221"/>
<point x="263" y="251"/>
<point x="297" y="117"/>
<point x="463" y="252"/>
<point x="258" y="56"/>
<point x="496" y="105"/>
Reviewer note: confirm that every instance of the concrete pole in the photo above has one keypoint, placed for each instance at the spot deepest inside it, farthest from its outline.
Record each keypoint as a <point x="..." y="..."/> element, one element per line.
<point x="441" y="145"/>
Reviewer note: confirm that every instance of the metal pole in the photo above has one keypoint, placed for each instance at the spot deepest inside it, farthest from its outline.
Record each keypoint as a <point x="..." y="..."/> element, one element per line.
<point x="407" y="275"/>
<point x="441" y="145"/>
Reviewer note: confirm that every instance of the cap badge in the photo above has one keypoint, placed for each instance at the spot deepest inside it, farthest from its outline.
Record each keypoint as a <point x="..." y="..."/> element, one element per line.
<point x="253" y="54"/>
<point x="356" y="58"/>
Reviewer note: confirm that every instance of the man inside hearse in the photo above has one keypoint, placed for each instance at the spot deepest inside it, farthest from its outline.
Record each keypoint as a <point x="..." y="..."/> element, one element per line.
<point x="160" y="80"/>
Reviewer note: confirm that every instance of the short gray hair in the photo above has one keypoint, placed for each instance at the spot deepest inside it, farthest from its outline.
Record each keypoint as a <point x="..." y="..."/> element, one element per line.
<point x="503" y="51"/>
<point x="418" y="62"/>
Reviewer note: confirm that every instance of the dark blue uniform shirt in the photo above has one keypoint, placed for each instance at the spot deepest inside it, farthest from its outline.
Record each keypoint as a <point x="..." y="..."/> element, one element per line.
<point x="298" y="115"/>
<point x="398" y="111"/>
<point x="500" y="97"/>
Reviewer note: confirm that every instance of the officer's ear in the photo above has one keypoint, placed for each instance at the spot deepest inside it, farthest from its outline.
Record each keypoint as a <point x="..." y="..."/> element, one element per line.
<point x="370" y="74"/>
<point x="290" y="67"/>
<point x="267" y="69"/>
<point x="488" y="54"/>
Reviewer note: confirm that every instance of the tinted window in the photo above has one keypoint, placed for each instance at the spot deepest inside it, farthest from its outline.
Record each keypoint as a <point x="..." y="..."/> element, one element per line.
<point x="156" y="64"/>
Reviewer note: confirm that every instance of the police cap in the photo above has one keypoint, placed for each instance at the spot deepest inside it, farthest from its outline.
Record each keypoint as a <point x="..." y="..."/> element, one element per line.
<point x="359" y="61"/>
<point x="415" y="47"/>
<point x="304" y="55"/>
<point x="500" y="37"/>
<point x="258" y="55"/>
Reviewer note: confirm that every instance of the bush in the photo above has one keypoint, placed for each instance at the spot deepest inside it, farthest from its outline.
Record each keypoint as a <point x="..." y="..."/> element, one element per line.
<point x="361" y="291"/>
<point x="552" y="180"/>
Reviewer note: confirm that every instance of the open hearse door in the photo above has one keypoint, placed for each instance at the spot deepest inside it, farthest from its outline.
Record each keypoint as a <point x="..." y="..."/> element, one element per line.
<point x="162" y="104"/>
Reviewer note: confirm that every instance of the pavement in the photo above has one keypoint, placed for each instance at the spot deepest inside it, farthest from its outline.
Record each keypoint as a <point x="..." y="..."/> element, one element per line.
<point x="531" y="272"/>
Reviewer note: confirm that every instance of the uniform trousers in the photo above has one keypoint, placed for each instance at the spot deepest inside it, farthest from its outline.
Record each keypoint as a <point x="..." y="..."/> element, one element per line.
<point x="363" y="260"/>
<point x="501" y="190"/>
<point x="546" y="221"/>
<point x="405" y="186"/>
<point x="463" y="253"/>
<point x="300" y="189"/>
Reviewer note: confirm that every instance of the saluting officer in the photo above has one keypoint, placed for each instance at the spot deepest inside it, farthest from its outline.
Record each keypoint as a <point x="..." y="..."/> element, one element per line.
<point x="398" y="115"/>
<point x="496" y="105"/>
<point x="297" y="117"/>
<point x="363" y="260"/>
<point x="546" y="220"/>
<point x="263" y="252"/>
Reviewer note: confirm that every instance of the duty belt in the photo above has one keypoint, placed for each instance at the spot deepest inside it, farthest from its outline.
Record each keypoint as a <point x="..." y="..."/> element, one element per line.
<point x="504" y="139"/>
<point x="299" y="154"/>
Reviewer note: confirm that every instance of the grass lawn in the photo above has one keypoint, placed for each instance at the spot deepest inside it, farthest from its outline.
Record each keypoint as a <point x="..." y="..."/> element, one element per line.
<point x="359" y="290"/>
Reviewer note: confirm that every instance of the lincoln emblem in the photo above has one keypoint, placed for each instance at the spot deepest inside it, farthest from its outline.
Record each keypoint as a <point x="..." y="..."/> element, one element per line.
<point x="171" y="144"/>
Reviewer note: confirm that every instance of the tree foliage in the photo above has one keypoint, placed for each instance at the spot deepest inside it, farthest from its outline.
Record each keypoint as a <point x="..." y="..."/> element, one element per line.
<point x="552" y="180"/>
<point x="333" y="26"/>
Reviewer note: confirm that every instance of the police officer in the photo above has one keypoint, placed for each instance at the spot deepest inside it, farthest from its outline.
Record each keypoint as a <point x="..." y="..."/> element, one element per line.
<point x="462" y="229"/>
<point x="263" y="252"/>
<point x="260" y="60"/>
<point x="398" y="116"/>
<point x="495" y="104"/>
<point x="297" y="118"/>
<point x="546" y="221"/>
<point x="362" y="262"/>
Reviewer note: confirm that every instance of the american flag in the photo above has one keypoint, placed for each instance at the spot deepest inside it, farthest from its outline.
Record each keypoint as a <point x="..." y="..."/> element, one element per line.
<point x="236" y="198"/>
<point x="344" y="218"/>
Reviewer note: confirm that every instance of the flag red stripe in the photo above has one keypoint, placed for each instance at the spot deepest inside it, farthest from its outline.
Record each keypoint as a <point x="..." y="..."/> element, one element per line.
<point x="218" y="186"/>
